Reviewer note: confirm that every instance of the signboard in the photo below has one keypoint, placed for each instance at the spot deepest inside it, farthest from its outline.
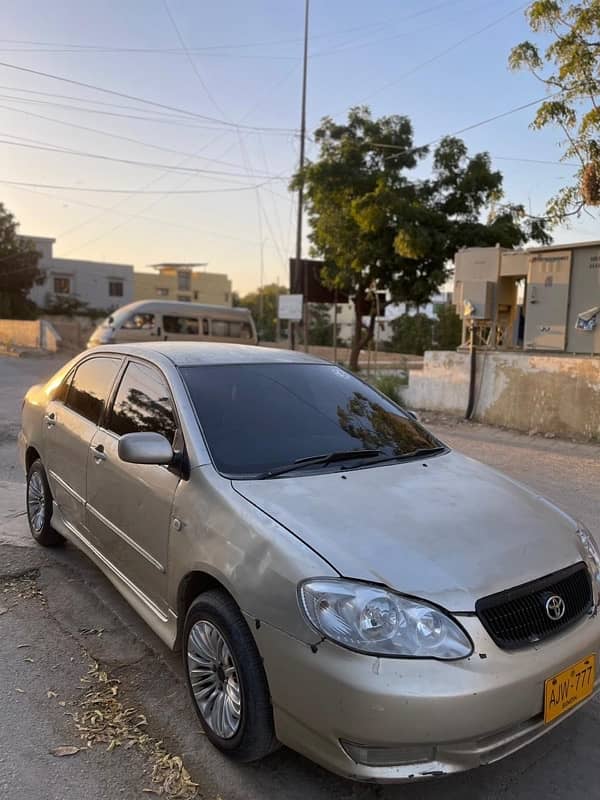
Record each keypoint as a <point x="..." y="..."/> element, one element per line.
<point x="290" y="307"/>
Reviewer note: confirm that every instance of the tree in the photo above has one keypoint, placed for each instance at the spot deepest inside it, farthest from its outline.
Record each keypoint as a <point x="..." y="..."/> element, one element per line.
<point x="412" y="333"/>
<point x="18" y="268"/>
<point x="376" y="229"/>
<point x="447" y="330"/>
<point x="321" y="324"/>
<point x="569" y="66"/>
<point x="265" y="312"/>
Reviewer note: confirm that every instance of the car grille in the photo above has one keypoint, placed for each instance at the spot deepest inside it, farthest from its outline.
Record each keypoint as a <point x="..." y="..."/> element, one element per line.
<point x="517" y="617"/>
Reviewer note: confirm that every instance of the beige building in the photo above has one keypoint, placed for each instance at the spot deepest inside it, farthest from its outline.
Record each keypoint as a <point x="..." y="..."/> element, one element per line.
<point x="184" y="282"/>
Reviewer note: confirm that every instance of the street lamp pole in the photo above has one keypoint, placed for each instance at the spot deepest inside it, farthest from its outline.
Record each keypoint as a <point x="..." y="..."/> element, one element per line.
<point x="301" y="169"/>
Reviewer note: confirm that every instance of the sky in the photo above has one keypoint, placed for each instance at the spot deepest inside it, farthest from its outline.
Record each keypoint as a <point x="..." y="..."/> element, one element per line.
<point x="215" y="152"/>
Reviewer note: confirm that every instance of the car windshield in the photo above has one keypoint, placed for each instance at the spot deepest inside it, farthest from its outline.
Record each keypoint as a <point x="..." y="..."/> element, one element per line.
<point x="261" y="417"/>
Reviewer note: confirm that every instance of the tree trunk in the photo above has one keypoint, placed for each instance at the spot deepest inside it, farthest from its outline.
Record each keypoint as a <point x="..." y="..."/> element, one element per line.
<point x="356" y="339"/>
<point x="360" y="339"/>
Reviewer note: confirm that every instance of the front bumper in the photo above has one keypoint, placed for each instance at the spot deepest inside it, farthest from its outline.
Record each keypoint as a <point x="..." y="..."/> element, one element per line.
<point x="464" y="713"/>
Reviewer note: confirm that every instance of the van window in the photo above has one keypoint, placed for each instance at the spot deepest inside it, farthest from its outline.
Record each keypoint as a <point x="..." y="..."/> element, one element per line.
<point x="185" y="325"/>
<point x="143" y="404"/>
<point x="231" y="328"/>
<point x="139" y="322"/>
<point x="91" y="386"/>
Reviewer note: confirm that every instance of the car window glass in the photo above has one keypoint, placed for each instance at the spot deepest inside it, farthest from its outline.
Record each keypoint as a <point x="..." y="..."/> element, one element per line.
<point x="91" y="386"/>
<point x="219" y="327"/>
<point x="185" y="325"/>
<point x="139" y="322"/>
<point x="143" y="404"/>
<point x="60" y="393"/>
<point x="260" y="416"/>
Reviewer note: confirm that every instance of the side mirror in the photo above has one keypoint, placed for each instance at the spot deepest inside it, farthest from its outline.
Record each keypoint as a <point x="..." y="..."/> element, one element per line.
<point x="412" y="415"/>
<point x="145" y="448"/>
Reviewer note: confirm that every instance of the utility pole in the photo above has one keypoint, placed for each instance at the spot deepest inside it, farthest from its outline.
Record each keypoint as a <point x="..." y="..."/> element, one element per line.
<point x="301" y="186"/>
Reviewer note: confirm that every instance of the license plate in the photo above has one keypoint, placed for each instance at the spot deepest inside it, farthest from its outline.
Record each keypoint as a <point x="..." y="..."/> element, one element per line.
<point x="569" y="687"/>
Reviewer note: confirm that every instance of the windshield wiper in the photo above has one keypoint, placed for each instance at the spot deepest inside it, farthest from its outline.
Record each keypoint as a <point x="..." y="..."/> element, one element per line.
<point x="420" y="451"/>
<point x="324" y="458"/>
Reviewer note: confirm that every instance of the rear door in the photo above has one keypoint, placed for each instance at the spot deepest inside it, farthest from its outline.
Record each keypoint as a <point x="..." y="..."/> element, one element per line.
<point x="69" y="426"/>
<point x="129" y="505"/>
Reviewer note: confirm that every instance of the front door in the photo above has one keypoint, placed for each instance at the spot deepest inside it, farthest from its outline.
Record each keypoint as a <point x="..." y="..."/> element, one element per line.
<point x="69" y="426"/>
<point x="129" y="505"/>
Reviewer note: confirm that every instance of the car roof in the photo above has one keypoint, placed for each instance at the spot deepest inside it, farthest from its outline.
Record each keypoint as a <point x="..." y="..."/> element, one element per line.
<point x="189" y="354"/>
<point x="181" y="305"/>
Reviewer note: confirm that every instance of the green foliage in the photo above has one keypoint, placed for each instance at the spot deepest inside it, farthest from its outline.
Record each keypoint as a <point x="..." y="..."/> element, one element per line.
<point x="320" y="325"/>
<point x="412" y="334"/>
<point x="265" y="312"/>
<point x="70" y="306"/>
<point x="376" y="228"/>
<point x="447" y="332"/>
<point x="18" y="269"/>
<point x="569" y="66"/>
<point x="391" y="386"/>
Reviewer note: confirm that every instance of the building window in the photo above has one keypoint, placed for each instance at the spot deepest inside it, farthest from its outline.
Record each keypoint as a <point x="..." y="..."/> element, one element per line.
<point x="162" y="292"/>
<point x="62" y="285"/>
<point x="184" y="298"/>
<point x="195" y="294"/>
<point x="184" y="281"/>
<point x="115" y="288"/>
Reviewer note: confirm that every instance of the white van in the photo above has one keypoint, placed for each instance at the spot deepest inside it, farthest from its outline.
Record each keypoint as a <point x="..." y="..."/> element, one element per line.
<point x="151" y="320"/>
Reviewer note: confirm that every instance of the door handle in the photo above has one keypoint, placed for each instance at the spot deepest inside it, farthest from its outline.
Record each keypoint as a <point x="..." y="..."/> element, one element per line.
<point x="99" y="454"/>
<point x="50" y="419"/>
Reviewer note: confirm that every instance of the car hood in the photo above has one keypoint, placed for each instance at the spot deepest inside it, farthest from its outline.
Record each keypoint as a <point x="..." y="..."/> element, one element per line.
<point x="448" y="529"/>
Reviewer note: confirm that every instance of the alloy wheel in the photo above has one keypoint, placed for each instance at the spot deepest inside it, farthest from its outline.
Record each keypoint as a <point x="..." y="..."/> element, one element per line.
<point x="214" y="679"/>
<point x="36" y="502"/>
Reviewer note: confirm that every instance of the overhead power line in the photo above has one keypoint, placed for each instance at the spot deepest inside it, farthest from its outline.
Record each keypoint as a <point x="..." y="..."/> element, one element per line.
<point x="185" y="122"/>
<point x="133" y="162"/>
<point x="110" y="134"/>
<point x="137" y="99"/>
<point x="129" y="191"/>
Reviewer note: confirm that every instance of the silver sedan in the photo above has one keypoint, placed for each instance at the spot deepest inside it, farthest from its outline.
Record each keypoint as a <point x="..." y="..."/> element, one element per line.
<point x="336" y="578"/>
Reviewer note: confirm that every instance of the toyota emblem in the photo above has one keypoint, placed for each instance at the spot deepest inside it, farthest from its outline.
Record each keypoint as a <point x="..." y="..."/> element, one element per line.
<point x="555" y="608"/>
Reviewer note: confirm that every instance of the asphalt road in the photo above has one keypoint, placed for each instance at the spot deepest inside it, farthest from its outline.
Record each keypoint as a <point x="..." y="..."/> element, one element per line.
<point x="73" y="617"/>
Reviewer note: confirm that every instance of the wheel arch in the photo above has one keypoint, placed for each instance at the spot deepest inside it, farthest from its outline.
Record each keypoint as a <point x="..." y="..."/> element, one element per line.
<point x="31" y="455"/>
<point x="191" y="586"/>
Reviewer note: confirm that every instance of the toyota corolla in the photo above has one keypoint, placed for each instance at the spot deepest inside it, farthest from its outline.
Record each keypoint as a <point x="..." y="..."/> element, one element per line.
<point x="337" y="579"/>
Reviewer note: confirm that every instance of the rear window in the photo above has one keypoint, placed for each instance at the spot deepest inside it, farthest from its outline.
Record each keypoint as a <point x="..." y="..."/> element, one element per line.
<point x="257" y="417"/>
<point x="143" y="404"/>
<point x="91" y="385"/>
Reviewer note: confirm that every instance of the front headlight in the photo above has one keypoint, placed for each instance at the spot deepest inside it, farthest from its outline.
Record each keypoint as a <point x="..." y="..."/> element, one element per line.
<point x="373" y="620"/>
<point x="590" y="549"/>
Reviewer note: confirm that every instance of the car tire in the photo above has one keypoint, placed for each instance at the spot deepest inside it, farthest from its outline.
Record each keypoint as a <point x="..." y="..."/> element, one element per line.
<point x="39" y="507"/>
<point x="226" y="678"/>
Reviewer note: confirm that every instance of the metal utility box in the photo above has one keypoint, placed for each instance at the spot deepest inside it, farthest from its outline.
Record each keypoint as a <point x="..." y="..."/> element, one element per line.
<point x="477" y="264"/>
<point x="476" y="297"/>
<point x="514" y="264"/>
<point x="547" y="300"/>
<point x="585" y="294"/>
